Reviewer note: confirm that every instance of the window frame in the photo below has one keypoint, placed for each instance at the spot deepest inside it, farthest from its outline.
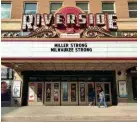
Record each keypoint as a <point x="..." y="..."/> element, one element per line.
<point x="131" y="10"/>
<point x="109" y="10"/>
<point x="50" y="11"/>
<point x="27" y="2"/>
<point x="83" y="2"/>
<point x="10" y="8"/>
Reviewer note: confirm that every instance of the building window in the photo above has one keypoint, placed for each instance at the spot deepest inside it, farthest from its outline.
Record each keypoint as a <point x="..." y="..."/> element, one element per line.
<point x="30" y="8"/>
<point x="5" y="10"/>
<point x="108" y="8"/>
<point x="132" y="7"/>
<point x="54" y="6"/>
<point x="83" y="6"/>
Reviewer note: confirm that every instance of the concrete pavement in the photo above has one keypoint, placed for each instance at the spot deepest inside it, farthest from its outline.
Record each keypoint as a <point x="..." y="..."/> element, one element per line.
<point x="68" y="113"/>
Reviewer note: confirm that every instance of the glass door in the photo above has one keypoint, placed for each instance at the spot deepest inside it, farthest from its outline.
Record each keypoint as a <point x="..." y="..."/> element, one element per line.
<point x="52" y="93"/>
<point x="35" y="96"/>
<point x="69" y="93"/>
<point x="106" y="86"/>
<point x="84" y="90"/>
<point x="83" y="93"/>
<point x="90" y="87"/>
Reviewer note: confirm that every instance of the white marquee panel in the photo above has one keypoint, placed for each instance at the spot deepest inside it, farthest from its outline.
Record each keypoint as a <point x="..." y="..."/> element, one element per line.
<point x="43" y="49"/>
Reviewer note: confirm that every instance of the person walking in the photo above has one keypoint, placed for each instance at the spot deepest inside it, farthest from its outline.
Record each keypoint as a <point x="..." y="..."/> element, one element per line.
<point x="102" y="98"/>
<point x="91" y="96"/>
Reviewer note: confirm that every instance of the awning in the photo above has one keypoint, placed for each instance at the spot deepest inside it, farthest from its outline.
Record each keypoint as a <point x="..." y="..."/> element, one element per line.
<point x="69" y="65"/>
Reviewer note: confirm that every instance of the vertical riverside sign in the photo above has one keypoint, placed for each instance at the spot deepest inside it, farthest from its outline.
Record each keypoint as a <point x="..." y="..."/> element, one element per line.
<point x="69" y="20"/>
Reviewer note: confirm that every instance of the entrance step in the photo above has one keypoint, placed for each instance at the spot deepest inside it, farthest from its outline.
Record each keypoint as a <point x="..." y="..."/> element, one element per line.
<point x="69" y="118"/>
<point x="68" y="113"/>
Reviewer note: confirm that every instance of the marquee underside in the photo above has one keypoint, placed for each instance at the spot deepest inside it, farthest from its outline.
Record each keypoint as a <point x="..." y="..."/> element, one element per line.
<point x="35" y="65"/>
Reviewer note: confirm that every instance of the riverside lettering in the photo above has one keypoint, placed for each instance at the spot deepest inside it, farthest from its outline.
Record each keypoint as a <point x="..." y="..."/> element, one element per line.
<point x="30" y="22"/>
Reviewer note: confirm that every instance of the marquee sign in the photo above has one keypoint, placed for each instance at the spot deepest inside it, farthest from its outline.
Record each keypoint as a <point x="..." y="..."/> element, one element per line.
<point x="75" y="49"/>
<point x="69" y="20"/>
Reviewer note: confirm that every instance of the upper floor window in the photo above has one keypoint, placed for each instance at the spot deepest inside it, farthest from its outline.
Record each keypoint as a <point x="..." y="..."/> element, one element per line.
<point x="108" y="8"/>
<point x="54" y="6"/>
<point x="5" y="10"/>
<point x="30" y="8"/>
<point x="132" y="7"/>
<point x="83" y="6"/>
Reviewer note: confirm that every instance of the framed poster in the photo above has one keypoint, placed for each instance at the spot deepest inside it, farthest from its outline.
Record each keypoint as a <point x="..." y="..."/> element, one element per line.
<point x="16" y="89"/>
<point x="82" y="92"/>
<point x="39" y="92"/>
<point x="122" y="89"/>
<point x="48" y="92"/>
<point x="65" y="91"/>
<point x="56" y="92"/>
<point x="73" y="92"/>
<point x="6" y="90"/>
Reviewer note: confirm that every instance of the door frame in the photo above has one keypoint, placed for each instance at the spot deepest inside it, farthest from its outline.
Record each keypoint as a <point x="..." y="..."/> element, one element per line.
<point x="34" y="102"/>
<point x="69" y="102"/>
<point x="102" y="85"/>
<point x="86" y="102"/>
<point x="52" y="102"/>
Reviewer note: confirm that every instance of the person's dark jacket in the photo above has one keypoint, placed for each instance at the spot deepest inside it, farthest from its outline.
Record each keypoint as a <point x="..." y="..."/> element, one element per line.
<point x="5" y="97"/>
<point x="91" y="95"/>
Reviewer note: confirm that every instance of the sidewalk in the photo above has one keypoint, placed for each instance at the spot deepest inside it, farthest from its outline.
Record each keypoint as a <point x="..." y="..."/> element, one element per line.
<point x="69" y="113"/>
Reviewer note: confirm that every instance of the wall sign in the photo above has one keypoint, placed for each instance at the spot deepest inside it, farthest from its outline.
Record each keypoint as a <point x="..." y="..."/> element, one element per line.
<point x="122" y="89"/>
<point x="16" y="89"/>
<point x="83" y="49"/>
<point x="69" y="20"/>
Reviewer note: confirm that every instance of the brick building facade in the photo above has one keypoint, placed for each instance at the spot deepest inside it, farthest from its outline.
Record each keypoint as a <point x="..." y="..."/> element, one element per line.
<point x="41" y="76"/>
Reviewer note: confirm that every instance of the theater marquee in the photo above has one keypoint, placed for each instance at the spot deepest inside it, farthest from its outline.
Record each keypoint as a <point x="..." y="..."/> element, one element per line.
<point x="50" y="49"/>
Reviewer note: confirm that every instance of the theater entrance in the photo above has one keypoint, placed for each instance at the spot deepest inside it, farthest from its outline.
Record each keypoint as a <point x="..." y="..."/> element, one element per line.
<point x="66" y="93"/>
<point x="51" y="90"/>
